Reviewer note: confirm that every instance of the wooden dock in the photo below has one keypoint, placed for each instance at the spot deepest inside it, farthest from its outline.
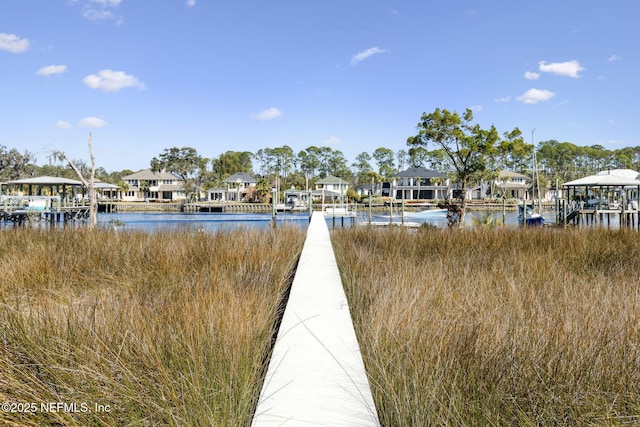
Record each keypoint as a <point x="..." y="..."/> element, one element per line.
<point x="595" y="216"/>
<point x="316" y="375"/>
<point x="21" y="210"/>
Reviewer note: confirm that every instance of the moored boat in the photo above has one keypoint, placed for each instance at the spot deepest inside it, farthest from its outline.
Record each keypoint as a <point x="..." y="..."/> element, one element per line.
<point x="532" y="217"/>
<point x="427" y="214"/>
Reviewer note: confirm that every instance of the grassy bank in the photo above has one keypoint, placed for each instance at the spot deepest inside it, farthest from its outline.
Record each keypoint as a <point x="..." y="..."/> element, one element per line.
<point x="167" y="328"/>
<point x="497" y="327"/>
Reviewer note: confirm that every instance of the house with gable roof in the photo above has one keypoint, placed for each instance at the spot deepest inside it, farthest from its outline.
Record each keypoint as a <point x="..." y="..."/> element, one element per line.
<point x="332" y="186"/>
<point x="237" y="188"/>
<point x="147" y="185"/>
<point x="417" y="183"/>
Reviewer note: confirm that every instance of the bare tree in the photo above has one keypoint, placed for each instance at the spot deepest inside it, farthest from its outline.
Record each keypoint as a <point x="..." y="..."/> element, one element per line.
<point x="89" y="184"/>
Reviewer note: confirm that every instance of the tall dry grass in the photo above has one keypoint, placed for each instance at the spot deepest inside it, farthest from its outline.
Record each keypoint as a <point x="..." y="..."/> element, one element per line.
<point x="497" y="326"/>
<point x="167" y="328"/>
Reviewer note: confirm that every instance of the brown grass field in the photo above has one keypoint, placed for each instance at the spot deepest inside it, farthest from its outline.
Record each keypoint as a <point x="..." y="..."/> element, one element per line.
<point x="484" y="327"/>
<point x="497" y="326"/>
<point x="166" y="328"/>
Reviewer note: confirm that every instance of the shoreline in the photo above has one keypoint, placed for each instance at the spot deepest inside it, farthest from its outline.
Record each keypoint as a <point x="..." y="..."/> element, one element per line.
<point x="114" y="207"/>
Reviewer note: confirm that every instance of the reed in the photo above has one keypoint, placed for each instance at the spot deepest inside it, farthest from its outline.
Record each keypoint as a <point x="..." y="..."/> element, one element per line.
<point x="497" y="326"/>
<point x="166" y="328"/>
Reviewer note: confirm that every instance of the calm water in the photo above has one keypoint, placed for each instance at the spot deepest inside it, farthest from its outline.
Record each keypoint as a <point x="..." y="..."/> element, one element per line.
<point x="150" y="221"/>
<point x="223" y="221"/>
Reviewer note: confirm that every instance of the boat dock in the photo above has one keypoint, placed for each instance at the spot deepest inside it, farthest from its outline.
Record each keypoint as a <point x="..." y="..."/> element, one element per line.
<point x="37" y="209"/>
<point x="316" y="375"/>
<point x="581" y="215"/>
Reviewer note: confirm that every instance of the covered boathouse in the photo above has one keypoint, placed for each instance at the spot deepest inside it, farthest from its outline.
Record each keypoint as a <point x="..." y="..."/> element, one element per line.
<point x="43" y="198"/>
<point x="612" y="192"/>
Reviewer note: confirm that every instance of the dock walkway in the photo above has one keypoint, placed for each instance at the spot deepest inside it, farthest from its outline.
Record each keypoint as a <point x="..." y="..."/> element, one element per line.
<point x="34" y="209"/>
<point x="316" y="375"/>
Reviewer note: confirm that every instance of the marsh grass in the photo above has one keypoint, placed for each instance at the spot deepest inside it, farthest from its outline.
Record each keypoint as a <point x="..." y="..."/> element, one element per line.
<point x="497" y="326"/>
<point x="167" y="328"/>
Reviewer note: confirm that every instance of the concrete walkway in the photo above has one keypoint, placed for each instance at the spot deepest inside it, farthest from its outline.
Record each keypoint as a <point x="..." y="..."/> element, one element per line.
<point x="316" y="375"/>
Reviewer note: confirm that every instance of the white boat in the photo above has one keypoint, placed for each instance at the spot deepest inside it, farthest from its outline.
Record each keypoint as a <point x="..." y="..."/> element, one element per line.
<point x="283" y="207"/>
<point x="531" y="211"/>
<point x="427" y="214"/>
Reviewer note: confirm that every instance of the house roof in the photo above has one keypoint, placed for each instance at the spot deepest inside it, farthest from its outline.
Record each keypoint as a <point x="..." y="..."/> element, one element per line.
<point x="149" y="174"/>
<point x="608" y="178"/>
<point x="330" y="179"/>
<point x="513" y="186"/>
<point x="240" y="177"/>
<point x="105" y="186"/>
<point x="45" y="180"/>
<point x="419" y="173"/>
<point x="510" y="174"/>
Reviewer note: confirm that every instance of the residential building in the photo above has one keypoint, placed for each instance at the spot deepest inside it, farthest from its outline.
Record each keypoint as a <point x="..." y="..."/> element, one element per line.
<point x="333" y="186"/>
<point x="512" y="184"/>
<point x="239" y="185"/>
<point x="417" y="183"/>
<point x="147" y="185"/>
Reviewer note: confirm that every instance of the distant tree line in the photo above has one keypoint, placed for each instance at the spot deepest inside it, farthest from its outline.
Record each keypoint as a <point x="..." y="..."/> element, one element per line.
<point x="445" y="142"/>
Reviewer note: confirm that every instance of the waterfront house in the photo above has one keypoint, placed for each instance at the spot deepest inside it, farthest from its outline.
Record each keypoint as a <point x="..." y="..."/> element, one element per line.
<point x="332" y="186"/>
<point x="417" y="183"/>
<point x="366" y="190"/>
<point x="147" y="185"/>
<point x="512" y="184"/>
<point x="239" y="185"/>
<point x="508" y="184"/>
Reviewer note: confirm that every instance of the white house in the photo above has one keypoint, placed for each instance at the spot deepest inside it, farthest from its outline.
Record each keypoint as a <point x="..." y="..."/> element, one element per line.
<point x="238" y="186"/>
<point x="417" y="184"/>
<point x="332" y="186"/>
<point x="512" y="184"/>
<point x="147" y="185"/>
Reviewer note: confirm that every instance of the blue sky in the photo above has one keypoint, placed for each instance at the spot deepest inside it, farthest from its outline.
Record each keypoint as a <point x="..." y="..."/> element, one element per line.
<point x="355" y="75"/>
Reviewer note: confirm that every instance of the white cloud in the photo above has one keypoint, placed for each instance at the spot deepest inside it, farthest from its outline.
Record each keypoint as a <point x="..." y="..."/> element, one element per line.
<point x="332" y="141"/>
<point x="534" y="96"/>
<point x="569" y="68"/>
<point x="530" y="75"/>
<point x="359" y="57"/>
<point x="614" y="58"/>
<point x="191" y="3"/>
<point x="13" y="43"/>
<point x="61" y="124"/>
<point x="476" y="108"/>
<point x="269" y="114"/>
<point x="98" y="10"/>
<point x="502" y="100"/>
<point x="52" y="69"/>
<point x="97" y="14"/>
<point x="112" y="81"/>
<point x="107" y="3"/>
<point x="92" y="122"/>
